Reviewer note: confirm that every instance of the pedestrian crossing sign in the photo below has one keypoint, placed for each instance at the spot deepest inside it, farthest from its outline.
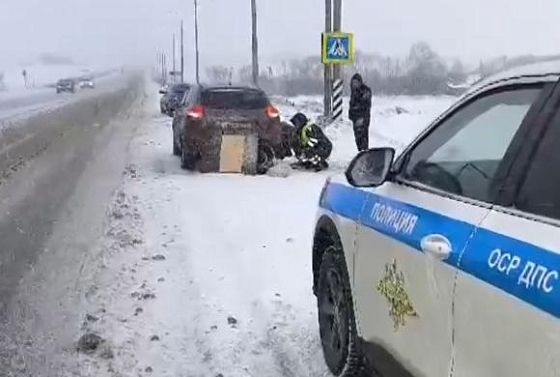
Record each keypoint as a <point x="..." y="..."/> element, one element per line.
<point x="338" y="48"/>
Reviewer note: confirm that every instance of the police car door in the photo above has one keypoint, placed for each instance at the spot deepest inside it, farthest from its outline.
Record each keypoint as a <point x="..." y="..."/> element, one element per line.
<point x="507" y="300"/>
<point x="415" y="227"/>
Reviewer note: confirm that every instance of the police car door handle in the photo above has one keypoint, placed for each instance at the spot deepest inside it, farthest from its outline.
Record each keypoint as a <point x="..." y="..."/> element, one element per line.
<point x="436" y="245"/>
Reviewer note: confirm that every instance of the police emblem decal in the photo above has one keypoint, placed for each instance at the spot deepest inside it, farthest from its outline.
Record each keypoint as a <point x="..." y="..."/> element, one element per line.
<point x="392" y="287"/>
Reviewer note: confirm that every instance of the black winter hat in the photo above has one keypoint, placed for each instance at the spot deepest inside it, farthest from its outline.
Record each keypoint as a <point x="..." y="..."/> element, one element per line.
<point x="357" y="77"/>
<point x="299" y="120"/>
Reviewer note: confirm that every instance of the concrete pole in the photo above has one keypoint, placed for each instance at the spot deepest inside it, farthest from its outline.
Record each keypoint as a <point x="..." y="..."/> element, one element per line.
<point x="255" y="43"/>
<point x="337" y="26"/>
<point x="162" y="60"/>
<point x="196" y="41"/>
<point x="182" y="54"/>
<point x="164" y="68"/>
<point x="174" y="66"/>
<point x="327" y="85"/>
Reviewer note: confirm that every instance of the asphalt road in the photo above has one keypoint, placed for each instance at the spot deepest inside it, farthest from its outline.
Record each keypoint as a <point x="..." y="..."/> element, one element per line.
<point x="58" y="170"/>
<point x="28" y="102"/>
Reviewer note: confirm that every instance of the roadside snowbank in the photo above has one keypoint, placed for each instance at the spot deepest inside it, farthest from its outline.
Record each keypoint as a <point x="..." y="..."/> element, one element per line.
<point x="395" y="121"/>
<point x="210" y="275"/>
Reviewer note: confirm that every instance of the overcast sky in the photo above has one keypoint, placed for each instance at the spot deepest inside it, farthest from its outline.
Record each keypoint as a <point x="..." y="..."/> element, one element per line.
<point x="111" y="31"/>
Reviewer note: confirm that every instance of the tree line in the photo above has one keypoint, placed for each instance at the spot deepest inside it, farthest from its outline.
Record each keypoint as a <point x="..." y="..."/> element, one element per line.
<point x="421" y="72"/>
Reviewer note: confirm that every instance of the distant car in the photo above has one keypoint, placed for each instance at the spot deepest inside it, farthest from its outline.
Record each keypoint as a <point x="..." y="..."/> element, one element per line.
<point x="207" y="113"/>
<point x="172" y="97"/>
<point x="66" y="85"/>
<point x="87" y="83"/>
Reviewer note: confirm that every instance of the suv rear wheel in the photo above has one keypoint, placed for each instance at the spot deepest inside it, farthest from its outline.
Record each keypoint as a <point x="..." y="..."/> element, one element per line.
<point x="176" y="147"/>
<point x="337" y="325"/>
<point x="265" y="158"/>
<point x="187" y="161"/>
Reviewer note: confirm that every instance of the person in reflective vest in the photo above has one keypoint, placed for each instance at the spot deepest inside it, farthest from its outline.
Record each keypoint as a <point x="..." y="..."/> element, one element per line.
<point x="311" y="146"/>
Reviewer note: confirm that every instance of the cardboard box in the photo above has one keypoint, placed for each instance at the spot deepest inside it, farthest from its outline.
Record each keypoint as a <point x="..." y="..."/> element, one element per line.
<point x="238" y="153"/>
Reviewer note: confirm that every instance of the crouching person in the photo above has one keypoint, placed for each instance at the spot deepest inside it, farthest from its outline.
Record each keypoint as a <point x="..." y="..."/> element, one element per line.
<point x="311" y="146"/>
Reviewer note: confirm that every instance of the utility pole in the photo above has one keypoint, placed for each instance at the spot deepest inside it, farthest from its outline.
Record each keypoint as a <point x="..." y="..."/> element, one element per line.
<point x="182" y="54"/>
<point x="174" y="67"/>
<point x="162" y="63"/>
<point x="337" y="26"/>
<point x="327" y="100"/>
<point x="196" y="41"/>
<point x="164" y="68"/>
<point x="255" y="43"/>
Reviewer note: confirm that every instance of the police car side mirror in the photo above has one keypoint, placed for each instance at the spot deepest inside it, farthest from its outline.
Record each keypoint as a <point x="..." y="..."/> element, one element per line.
<point x="370" y="168"/>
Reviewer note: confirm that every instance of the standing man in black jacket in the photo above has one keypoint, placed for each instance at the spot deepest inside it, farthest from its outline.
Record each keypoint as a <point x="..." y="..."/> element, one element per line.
<point x="359" y="112"/>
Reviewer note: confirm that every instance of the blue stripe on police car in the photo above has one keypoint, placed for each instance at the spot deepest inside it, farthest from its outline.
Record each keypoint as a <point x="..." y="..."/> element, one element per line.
<point x="521" y="269"/>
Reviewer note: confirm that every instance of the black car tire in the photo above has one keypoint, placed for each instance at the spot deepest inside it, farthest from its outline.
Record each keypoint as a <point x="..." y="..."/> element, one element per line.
<point x="265" y="158"/>
<point x="187" y="161"/>
<point x="337" y="325"/>
<point x="176" y="146"/>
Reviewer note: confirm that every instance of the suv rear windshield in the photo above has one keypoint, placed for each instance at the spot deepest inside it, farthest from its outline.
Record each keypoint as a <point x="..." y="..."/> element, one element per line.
<point x="234" y="98"/>
<point x="179" y="88"/>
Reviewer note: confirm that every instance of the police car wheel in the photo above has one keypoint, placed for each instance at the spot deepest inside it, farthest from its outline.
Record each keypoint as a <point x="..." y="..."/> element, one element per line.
<point x="337" y="325"/>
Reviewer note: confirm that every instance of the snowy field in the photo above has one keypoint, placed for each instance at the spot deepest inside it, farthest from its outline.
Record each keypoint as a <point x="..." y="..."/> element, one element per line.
<point x="210" y="275"/>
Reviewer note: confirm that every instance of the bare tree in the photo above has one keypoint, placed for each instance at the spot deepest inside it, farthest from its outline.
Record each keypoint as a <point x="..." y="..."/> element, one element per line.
<point x="220" y="74"/>
<point x="457" y="74"/>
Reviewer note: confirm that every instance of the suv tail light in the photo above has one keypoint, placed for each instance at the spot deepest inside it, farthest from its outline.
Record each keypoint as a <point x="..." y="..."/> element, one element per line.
<point x="272" y="112"/>
<point x="196" y="112"/>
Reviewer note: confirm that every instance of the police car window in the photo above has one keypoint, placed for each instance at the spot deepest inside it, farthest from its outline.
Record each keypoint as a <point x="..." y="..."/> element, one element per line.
<point x="463" y="153"/>
<point x="539" y="193"/>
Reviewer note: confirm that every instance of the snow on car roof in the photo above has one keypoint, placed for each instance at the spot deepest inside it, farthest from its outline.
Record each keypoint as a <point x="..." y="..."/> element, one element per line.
<point x="232" y="89"/>
<point x="545" y="71"/>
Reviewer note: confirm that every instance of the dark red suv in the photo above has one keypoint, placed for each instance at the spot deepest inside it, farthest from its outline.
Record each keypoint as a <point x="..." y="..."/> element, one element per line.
<point x="209" y="113"/>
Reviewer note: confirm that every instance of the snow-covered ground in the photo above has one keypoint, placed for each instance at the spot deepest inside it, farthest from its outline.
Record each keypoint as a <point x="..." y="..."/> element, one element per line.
<point x="395" y="121"/>
<point x="210" y="275"/>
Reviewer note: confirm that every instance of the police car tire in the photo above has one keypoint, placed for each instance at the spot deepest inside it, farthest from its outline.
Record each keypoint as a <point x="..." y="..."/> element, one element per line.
<point x="349" y="362"/>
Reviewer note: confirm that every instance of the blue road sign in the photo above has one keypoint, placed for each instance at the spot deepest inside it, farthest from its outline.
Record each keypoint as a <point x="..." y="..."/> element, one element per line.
<point x="338" y="48"/>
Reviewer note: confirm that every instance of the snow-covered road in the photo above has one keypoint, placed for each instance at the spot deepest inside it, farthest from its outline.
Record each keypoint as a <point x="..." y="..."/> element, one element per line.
<point x="19" y="104"/>
<point x="210" y="275"/>
<point x="150" y="270"/>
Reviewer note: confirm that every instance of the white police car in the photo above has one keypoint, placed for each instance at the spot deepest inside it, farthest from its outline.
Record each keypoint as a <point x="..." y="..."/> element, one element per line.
<point x="445" y="261"/>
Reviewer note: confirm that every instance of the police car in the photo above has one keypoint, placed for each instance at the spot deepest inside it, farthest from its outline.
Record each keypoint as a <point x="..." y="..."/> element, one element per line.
<point x="445" y="260"/>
